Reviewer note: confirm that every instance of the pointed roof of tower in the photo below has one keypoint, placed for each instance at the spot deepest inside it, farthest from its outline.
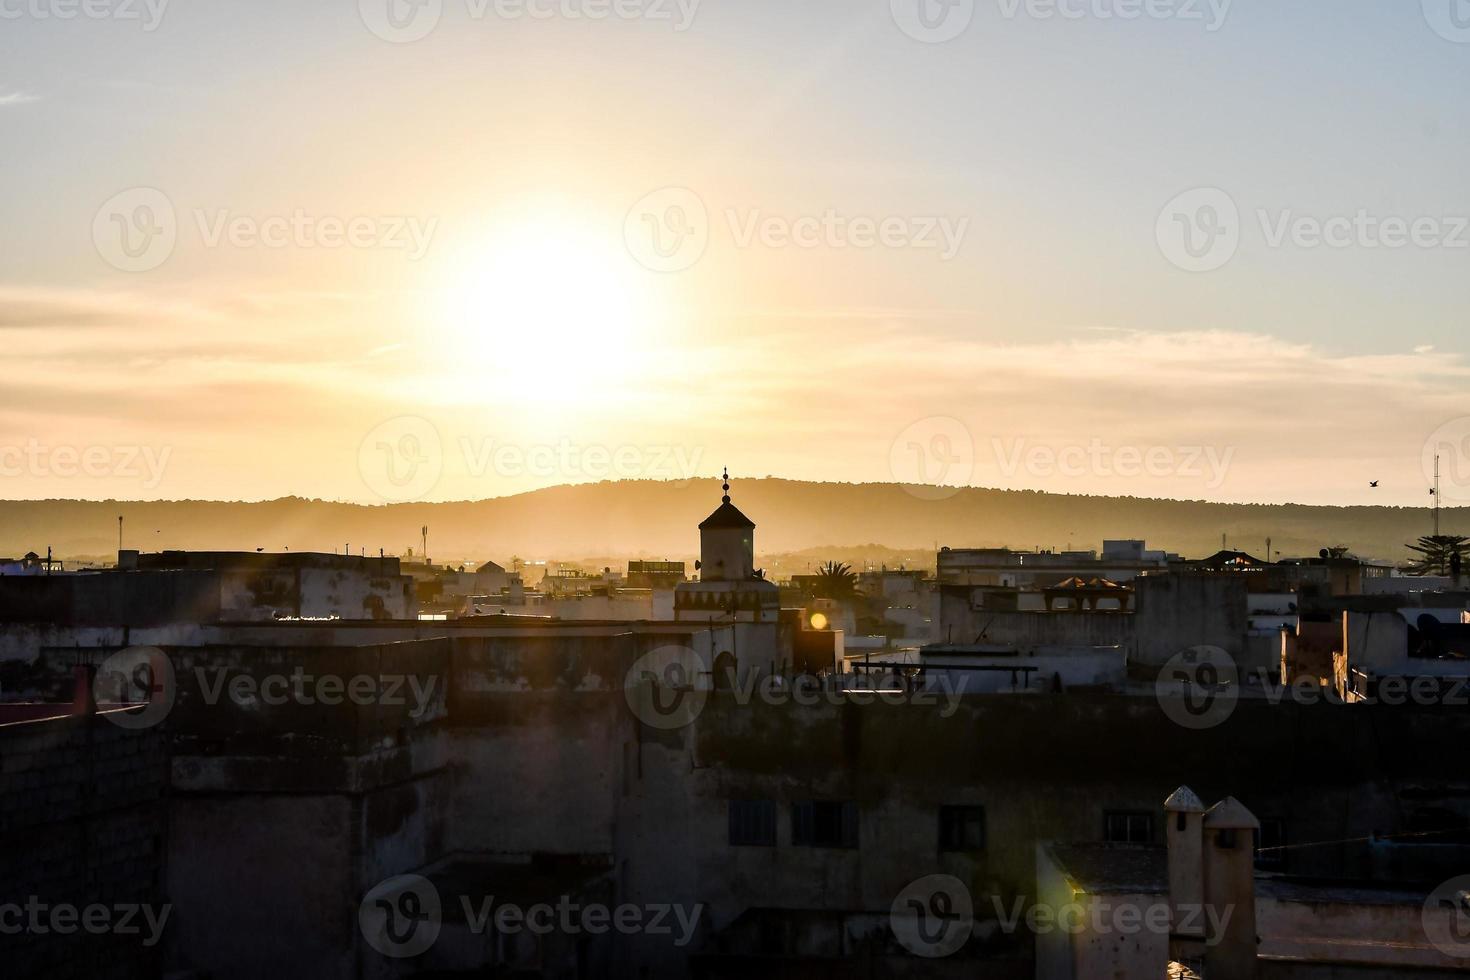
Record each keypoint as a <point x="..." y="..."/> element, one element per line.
<point x="727" y="515"/>
<point x="1184" y="800"/>
<point x="1231" y="814"/>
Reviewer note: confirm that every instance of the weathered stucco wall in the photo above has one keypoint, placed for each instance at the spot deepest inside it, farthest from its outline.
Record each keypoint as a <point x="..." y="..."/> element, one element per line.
<point x="1181" y="610"/>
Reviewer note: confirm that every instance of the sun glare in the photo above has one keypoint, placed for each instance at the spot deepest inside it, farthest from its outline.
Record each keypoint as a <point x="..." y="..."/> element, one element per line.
<point x="546" y="307"/>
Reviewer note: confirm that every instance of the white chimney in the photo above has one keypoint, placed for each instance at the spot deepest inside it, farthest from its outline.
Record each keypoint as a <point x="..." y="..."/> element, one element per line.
<point x="1230" y="891"/>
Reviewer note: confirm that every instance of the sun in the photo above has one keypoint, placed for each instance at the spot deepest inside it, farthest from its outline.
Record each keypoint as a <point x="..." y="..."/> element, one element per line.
<point x="546" y="306"/>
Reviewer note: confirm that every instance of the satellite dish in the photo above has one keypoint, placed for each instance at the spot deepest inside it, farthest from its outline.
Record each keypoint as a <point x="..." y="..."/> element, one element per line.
<point x="698" y="564"/>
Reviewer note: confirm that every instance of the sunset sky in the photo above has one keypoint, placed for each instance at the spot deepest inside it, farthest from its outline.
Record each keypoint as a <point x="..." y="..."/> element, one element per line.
<point x="383" y="268"/>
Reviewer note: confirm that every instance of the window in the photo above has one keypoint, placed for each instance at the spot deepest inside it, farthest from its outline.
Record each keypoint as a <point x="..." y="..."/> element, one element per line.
<point x="753" y="823"/>
<point x="1128" y="828"/>
<point x="823" y="823"/>
<point x="1269" y="839"/>
<point x="962" y="828"/>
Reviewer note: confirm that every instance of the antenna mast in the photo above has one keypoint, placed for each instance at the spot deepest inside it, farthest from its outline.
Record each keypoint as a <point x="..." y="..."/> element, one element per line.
<point x="1435" y="491"/>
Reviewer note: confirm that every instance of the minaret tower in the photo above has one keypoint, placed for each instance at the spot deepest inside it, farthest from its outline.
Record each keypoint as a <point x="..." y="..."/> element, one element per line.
<point x="726" y="543"/>
<point x="729" y="587"/>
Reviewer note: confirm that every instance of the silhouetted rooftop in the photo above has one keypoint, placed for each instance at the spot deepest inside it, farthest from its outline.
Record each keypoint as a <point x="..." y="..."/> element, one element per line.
<point x="726" y="515"/>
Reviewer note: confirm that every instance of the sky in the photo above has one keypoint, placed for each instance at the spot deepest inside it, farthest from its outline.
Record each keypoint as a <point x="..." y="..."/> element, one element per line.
<point x="385" y="250"/>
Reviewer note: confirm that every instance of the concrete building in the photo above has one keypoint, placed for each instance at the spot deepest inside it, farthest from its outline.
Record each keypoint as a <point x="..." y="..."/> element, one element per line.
<point x="643" y="574"/>
<point x="204" y="587"/>
<point x="1120" y="562"/>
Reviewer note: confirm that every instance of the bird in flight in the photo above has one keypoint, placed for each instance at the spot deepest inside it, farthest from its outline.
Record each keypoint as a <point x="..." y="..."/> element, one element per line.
<point x="1373" y="484"/>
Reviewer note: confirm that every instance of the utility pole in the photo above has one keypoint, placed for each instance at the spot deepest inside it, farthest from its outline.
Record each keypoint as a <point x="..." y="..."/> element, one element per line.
<point x="424" y="533"/>
<point x="119" y="532"/>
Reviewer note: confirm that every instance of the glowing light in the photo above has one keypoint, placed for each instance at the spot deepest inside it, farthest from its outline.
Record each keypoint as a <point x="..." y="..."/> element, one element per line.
<point x="546" y="308"/>
<point x="819" y="621"/>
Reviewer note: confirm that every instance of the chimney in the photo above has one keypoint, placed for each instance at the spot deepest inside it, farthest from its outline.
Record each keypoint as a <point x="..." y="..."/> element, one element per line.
<point x="1184" y="831"/>
<point x="1230" y="891"/>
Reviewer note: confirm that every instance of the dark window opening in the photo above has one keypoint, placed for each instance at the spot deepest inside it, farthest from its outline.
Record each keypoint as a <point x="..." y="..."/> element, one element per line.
<point x="1128" y="828"/>
<point x="824" y="823"/>
<point x="962" y="828"/>
<point x="753" y="823"/>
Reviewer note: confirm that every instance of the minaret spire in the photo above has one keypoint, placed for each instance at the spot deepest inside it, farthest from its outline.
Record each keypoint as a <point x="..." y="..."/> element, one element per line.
<point x="726" y="498"/>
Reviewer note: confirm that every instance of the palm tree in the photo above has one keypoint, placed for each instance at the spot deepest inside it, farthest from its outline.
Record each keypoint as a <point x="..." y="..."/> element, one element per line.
<point x="1438" y="554"/>
<point x="835" y="581"/>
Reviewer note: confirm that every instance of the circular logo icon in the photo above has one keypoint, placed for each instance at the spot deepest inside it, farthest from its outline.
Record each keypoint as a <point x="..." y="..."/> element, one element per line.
<point x="1199" y="231"/>
<point x="933" y="21"/>
<point x="401" y="917"/>
<point x="1198" y="688"/>
<point x="668" y="230"/>
<point x="933" y="916"/>
<point x="401" y="21"/>
<point x="136" y="675"/>
<point x="1449" y="448"/>
<point x="402" y="459"/>
<point x="136" y="231"/>
<point x="934" y="458"/>
<point x="1449" y="18"/>
<point x="1447" y="917"/>
<point x="663" y="687"/>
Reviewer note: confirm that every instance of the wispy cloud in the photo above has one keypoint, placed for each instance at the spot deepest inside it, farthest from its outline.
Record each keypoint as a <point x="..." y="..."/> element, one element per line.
<point x="17" y="98"/>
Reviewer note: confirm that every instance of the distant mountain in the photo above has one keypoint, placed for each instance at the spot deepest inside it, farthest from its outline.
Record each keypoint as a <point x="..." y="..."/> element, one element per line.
<point x="653" y="519"/>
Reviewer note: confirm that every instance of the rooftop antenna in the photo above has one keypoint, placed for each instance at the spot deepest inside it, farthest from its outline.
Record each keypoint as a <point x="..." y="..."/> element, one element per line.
<point x="424" y="535"/>
<point x="1435" y="493"/>
<point x="119" y="532"/>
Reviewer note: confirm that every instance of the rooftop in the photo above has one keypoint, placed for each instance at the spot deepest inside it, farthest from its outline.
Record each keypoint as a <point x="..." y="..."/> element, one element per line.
<point x="727" y="515"/>
<point x="1100" y="869"/>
